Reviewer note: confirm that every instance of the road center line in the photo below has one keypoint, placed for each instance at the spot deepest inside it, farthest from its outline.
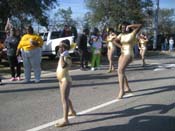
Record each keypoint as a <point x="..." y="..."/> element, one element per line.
<point x="79" y="113"/>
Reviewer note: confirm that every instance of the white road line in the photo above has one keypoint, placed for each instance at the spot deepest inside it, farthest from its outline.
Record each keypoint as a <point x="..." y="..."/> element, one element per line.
<point x="79" y="113"/>
<point x="159" y="69"/>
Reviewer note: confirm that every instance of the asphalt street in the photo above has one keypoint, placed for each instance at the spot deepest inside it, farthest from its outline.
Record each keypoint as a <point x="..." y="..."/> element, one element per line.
<point x="151" y="106"/>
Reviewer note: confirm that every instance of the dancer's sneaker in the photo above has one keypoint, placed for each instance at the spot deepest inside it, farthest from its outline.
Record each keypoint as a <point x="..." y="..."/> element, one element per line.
<point x="18" y="78"/>
<point x="92" y="69"/>
<point x="12" y="79"/>
<point x="109" y="71"/>
<point x="37" y="81"/>
<point x="26" y="81"/>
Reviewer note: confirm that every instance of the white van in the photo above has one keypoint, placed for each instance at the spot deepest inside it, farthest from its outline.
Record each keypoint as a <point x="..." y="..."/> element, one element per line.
<point x="52" y="40"/>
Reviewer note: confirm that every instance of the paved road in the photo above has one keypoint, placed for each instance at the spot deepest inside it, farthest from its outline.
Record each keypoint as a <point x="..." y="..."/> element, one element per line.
<point x="151" y="106"/>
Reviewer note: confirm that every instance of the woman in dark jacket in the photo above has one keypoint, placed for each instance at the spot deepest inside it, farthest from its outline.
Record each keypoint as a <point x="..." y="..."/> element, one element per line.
<point x="11" y="43"/>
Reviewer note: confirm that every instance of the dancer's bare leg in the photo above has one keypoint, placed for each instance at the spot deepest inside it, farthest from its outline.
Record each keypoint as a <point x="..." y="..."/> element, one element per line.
<point x="109" y="59"/>
<point x="143" y="56"/>
<point x="126" y="85"/>
<point x="123" y="63"/>
<point x="112" y="63"/>
<point x="110" y="56"/>
<point x="71" y="109"/>
<point x="64" y="91"/>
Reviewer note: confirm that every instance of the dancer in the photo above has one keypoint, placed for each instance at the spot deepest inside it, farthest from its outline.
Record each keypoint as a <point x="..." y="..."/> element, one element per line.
<point x="125" y="41"/>
<point x="111" y="49"/>
<point x="142" y="47"/>
<point x="65" y="83"/>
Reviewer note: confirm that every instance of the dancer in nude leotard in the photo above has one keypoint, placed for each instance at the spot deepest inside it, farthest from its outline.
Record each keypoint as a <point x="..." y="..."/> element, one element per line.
<point x="125" y="41"/>
<point x="142" y="46"/>
<point x="65" y="83"/>
<point x="111" y="49"/>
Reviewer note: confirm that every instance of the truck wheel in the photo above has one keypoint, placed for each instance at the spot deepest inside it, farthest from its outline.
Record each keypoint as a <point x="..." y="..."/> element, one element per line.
<point x="57" y="52"/>
<point x="51" y="57"/>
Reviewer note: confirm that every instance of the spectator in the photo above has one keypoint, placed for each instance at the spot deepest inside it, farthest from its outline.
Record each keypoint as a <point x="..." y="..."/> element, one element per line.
<point x="164" y="43"/>
<point x="96" y="41"/>
<point x="74" y="33"/>
<point x="66" y="31"/>
<point x="30" y="46"/>
<point x="83" y="49"/>
<point x="11" y="43"/>
<point x="171" y="44"/>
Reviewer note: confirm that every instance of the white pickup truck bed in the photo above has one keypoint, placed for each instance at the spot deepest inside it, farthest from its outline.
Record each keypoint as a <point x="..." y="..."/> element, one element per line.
<point x="52" y="40"/>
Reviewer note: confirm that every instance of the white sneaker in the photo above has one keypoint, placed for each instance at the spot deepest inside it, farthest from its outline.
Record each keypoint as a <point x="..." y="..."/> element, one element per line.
<point x="37" y="81"/>
<point x="92" y="69"/>
<point x="98" y="68"/>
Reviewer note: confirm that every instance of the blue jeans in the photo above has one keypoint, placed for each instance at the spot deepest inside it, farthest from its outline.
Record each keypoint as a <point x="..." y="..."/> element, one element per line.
<point x="164" y="46"/>
<point x="32" y="60"/>
<point x="171" y="47"/>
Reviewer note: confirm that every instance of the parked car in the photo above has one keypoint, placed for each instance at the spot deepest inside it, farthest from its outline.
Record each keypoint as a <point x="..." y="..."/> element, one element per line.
<point x="52" y="41"/>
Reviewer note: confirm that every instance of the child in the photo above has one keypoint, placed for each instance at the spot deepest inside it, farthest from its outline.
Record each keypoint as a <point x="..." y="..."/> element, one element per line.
<point x="65" y="82"/>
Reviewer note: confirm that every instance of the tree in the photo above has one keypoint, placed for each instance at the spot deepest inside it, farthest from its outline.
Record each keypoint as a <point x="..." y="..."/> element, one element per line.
<point x="113" y="12"/>
<point x="64" y="17"/>
<point x="26" y="10"/>
<point x="166" y="21"/>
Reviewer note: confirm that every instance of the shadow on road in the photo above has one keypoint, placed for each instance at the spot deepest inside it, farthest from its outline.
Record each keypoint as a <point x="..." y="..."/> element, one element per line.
<point x="138" y="123"/>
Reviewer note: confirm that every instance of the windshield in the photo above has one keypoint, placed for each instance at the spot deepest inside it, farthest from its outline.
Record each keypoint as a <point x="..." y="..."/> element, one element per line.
<point x="55" y="35"/>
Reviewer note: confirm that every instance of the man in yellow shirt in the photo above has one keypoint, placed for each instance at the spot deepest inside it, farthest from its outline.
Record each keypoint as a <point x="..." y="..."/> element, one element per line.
<point x="30" y="46"/>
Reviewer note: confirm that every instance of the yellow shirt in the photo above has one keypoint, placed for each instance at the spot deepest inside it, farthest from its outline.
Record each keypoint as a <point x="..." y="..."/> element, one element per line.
<point x="25" y="42"/>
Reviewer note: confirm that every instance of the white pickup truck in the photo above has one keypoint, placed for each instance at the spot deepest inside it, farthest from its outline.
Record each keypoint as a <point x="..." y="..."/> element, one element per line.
<point x="52" y="40"/>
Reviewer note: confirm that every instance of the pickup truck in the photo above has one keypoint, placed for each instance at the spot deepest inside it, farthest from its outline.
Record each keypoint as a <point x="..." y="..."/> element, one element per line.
<point x="52" y="41"/>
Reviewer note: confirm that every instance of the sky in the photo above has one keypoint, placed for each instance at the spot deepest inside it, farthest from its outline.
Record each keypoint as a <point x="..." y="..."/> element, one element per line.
<point x="167" y="4"/>
<point x="79" y="8"/>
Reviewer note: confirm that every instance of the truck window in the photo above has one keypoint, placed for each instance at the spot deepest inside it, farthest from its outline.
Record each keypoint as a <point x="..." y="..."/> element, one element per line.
<point x="55" y="35"/>
<point x="43" y="36"/>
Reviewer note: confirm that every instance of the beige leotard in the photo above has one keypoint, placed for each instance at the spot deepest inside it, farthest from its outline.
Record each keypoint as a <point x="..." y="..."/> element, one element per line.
<point x="143" y="43"/>
<point x="109" y="40"/>
<point x="128" y="41"/>
<point x="63" y="73"/>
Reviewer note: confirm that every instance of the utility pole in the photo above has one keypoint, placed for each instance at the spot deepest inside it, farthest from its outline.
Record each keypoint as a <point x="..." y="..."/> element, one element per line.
<point x="155" y="25"/>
